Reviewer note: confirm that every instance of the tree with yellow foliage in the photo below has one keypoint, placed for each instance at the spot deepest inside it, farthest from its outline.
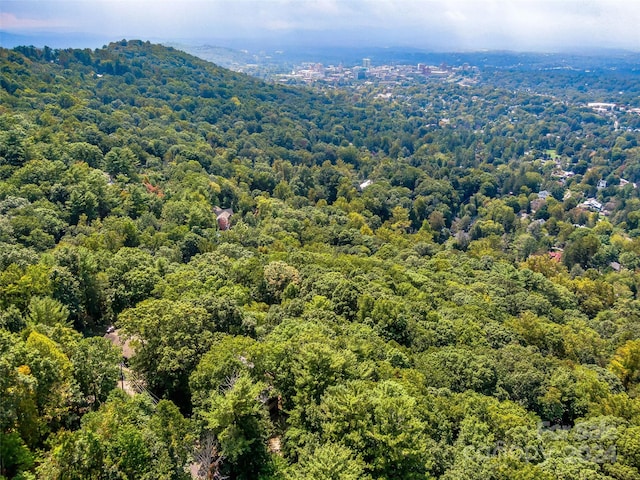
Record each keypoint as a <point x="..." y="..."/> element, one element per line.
<point x="626" y="363"/>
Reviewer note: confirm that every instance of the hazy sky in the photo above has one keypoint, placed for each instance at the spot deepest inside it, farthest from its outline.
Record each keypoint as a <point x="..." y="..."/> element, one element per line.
<point x="459" y="24"/>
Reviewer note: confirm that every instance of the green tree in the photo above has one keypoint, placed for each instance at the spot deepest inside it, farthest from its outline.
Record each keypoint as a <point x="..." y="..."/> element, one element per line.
<point x="459" y="370"/>
<point x="54" y="372"/>
<point x="121" y="161"/>
<point x="581" y="251"/>
<point x="278" y="276"/>
<point x="47" y="311"/>
<point x="169" y="339"/>
<point x="228" y="358"/>
<point x="381" y="422"/>
<point x="238" y="420"/>
<point x="19" y="418"/>
<point x="329" y="461"/>
<point x="96" y="368"/>
<point x="125" y="438"/>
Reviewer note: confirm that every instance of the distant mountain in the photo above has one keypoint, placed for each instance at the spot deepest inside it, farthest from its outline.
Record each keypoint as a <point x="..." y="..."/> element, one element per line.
<point x="53" y="39"/>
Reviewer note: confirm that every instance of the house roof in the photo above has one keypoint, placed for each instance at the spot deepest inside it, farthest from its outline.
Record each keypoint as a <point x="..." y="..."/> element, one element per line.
<point x="223" y="212"/>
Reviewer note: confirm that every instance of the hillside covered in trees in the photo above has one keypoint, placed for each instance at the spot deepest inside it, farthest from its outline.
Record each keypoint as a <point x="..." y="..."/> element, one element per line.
<point x="317" y="285"/>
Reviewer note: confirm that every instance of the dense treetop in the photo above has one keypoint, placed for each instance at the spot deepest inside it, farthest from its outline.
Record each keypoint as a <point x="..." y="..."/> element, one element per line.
<point x="440" y="284"/>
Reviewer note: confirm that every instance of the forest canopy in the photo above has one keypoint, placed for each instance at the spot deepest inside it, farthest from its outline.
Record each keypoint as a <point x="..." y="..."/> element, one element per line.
<point x="316" y="284"/>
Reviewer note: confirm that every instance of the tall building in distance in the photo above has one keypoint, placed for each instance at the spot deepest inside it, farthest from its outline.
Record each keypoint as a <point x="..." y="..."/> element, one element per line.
<point x="366" y="62"/>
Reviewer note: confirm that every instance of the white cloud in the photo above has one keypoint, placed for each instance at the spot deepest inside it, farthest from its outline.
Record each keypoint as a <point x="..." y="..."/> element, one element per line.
<point x="518" y="24"/>
<point x="10" y="22"/>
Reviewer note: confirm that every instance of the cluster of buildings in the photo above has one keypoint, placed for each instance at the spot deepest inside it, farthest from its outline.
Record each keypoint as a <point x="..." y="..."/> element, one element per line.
<point x="591" y="203"/>
<point x="608" y="108"/>
<point x="311" y="73"/>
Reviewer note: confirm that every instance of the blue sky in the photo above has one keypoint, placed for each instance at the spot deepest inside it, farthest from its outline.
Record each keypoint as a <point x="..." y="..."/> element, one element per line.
<point x="544" y="25"/>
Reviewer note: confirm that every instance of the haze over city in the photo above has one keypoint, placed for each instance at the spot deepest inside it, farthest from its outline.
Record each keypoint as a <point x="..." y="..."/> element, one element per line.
<point x="432" y="24"/>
